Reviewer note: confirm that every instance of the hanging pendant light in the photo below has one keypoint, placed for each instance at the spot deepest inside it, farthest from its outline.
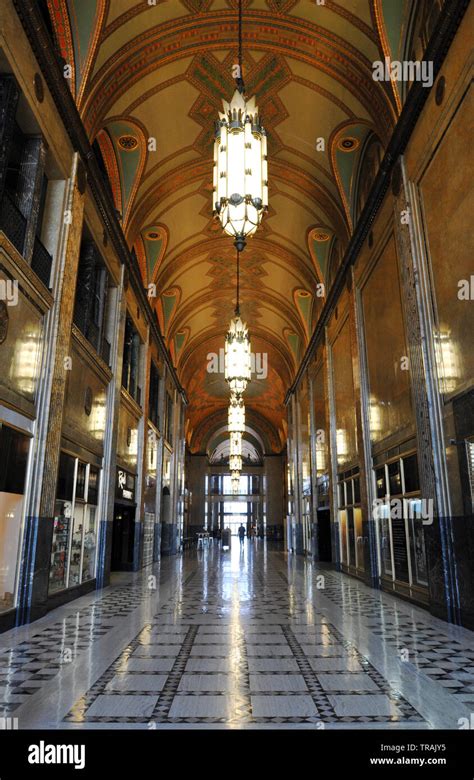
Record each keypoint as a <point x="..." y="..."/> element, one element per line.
<point x="236" y="415"/>
<point x="235" y="483"/>
<point x="235" y="463"/>
<point x="237" y="362"/>
<point x="235" y="444"/>
<point x="240" y="193"/>
<point x="237" y="350"/>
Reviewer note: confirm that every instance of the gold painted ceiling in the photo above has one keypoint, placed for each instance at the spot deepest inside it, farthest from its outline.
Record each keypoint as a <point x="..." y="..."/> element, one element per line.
<point x="149" y="80"/>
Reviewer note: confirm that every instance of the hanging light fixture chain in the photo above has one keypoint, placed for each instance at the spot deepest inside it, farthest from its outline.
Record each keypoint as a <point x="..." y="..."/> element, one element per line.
<point x="240" y="80"/>
<point x="237" y="307"/>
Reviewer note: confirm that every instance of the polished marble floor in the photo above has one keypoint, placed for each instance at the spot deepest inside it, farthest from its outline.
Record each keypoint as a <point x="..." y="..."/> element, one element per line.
<point x="250" y="638"/>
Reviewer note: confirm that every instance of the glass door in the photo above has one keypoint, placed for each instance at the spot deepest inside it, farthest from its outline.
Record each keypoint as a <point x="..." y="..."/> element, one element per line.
<point x="73" y="550"/>
<point x="235" y="515"/>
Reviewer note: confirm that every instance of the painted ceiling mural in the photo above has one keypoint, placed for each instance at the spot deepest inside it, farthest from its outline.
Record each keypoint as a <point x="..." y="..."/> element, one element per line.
<point x="149" y="80"/>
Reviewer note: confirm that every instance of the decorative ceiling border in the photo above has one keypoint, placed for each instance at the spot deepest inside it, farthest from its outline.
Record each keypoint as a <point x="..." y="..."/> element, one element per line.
<point x="378" y="15"/>
<point x="312" y="44"/>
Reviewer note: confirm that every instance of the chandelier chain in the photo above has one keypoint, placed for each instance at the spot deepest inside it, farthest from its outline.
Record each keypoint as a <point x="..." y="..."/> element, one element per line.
<point x="237" y="307"/>
<point x="240" y="80"/>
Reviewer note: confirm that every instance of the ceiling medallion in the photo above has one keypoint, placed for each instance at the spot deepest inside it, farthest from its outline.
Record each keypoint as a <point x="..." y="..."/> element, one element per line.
<point x="348" y="144"/>
<point x="128" y="143"/>
<point x="320" y="235"/>
<point x="4" y="320"/>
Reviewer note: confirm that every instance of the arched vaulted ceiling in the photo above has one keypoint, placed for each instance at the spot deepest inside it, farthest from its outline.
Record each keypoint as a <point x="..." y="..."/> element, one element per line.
<point x="149" y="80"/>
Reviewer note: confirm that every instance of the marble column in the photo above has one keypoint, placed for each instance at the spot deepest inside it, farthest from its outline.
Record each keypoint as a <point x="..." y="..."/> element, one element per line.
<point x="297" y="527"/>
<point x="314" y="482"/>
<point x="333" y="499"/>
<point x="41" y="505"/>
<point x="274" y="496"/>
<point x="368" y="543"/>
<point x="119" y="311"/>
<point x="159" y="467"/>
<point x="415" y="286"/>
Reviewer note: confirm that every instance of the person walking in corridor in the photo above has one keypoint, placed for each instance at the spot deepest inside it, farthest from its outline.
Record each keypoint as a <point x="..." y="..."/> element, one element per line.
<point x="241" y="534"/>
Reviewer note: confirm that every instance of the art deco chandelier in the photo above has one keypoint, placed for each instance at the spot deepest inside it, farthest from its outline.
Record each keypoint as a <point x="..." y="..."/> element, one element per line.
<point x="240" y="189"/>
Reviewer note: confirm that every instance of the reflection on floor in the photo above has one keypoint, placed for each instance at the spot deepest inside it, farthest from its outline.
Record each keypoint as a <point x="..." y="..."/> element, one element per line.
<point x="247" y="638"/>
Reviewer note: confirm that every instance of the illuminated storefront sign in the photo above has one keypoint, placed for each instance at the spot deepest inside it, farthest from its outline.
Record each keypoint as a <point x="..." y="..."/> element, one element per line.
<point x="125" y="487"/>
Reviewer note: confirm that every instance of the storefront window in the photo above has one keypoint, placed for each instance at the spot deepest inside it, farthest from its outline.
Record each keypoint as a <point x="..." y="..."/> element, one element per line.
<point x="93" y="486"/>
<point x="410" y="472"/>
<point x="394" y="478"/>
<point x="62" y="523"/>
<point x="343" y="522"/>
<point x="81" y="480"/>
<point x="166" y="474"/>
<point x="380" y="487"/>
<point x="401" y="535"/>
<point x="14" y="448"/>
<point x="59" y="550"/>
<point x="76" y="546"/>
<point x="67" y="466"/>
<point x="417" y="543"/>
<point x="90" y="535"/>
<point x="385" y="542"/>
<point x="350" y="518"/>
<point x="73" y="551"/>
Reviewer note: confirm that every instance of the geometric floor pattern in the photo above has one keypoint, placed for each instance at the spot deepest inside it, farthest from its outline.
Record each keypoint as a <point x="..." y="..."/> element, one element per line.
<point x="430" y="648"/>
<point x="207" y="673"/>
<point x="24" y="667"/>
<point x="249" y="638"/>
